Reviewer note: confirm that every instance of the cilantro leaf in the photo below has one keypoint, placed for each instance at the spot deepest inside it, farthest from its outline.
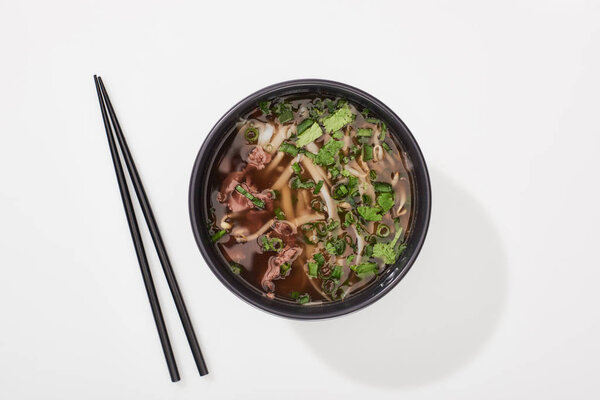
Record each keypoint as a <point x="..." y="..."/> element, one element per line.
<point x="369" y="213"/>
<point x="385" y="201"/>
<point x="309" y="135"/>
<point x="338" y="119"/>
<point x="386" y="251"/>
<point x="327" y="153"/>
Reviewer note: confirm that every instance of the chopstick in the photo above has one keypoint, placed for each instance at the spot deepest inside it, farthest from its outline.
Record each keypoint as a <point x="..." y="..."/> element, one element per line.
<point x="138" y="244"/>
<point x="156" y="238"/>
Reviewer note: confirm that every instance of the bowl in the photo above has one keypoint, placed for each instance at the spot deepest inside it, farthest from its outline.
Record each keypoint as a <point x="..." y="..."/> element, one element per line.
<point x="198" y="202"/>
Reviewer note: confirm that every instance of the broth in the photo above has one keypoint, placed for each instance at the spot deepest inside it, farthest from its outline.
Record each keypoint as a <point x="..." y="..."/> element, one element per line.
<point x="310" y="198"/>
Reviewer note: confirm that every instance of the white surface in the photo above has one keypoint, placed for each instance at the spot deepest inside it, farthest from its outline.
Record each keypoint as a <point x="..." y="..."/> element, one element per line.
<point x="503" y="98"/>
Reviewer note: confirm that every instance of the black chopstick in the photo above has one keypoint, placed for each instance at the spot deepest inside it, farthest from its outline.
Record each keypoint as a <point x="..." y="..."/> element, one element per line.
<point x="156" y="238"/>
<point x="138" y="244"/>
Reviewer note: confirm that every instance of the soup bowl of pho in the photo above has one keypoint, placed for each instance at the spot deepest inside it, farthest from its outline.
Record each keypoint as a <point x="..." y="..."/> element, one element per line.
<point x="310" y="199"/>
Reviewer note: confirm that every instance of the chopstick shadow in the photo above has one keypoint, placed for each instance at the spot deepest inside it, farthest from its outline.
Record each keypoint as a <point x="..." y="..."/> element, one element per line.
<point x="439" y="317"/>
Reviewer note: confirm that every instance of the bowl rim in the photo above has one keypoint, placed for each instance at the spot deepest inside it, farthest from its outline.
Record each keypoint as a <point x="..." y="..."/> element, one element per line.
<point x="395" y="273"/>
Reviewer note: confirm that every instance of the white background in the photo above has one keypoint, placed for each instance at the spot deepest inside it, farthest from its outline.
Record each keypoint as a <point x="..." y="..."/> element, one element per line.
<point x="503" y="97"/>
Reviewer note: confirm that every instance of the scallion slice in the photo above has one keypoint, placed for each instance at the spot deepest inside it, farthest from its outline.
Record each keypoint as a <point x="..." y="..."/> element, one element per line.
<point x="256" y="201"/>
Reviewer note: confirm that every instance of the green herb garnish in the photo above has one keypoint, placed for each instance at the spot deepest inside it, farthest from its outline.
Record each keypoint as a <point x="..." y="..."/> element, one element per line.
<point x="284" y="112"/>
<point x="386" y="251"/>
<point x="318" y="187"/>
<point x="279" y="214"/>
<point x="367" y="152"/>
<point x="369" y="213"/>
<point x="313" y="267"/>
<point x="297" y="168"/>
<point x="382" y="187"/>
<point x="304" y="125"/>
<point x="214" y="238"/>
<point x="271" y="244"/>
<point x="297" y="183"/>
<point x="256" y="201"/>
<point x="365" y="268"/>
<point x="336" y="246"/>
<point x="338" y="119"/>
<point x="385" y="201"/>
<point x="365" y="132"/>
<point x="265" y="107"/>
<point x="309" y="135"/>
<point x="235" y="268"/>
<point x="289" y="148"/>
<point x="251" y="134"/>
<point x="328" y="152"/>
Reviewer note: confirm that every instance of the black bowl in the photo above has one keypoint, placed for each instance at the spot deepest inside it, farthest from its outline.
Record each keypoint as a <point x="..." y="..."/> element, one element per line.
<point x="198" y="200"/>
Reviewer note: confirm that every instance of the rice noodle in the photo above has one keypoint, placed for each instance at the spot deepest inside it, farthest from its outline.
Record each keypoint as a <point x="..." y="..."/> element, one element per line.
<point x="240" y="236"/>
<point x="360" y="245"/>
<point x="304" y="219"/>
<point x="274" y="162"/>
<point x="378" y="153"/>
<point x="284" y="177"/>
<point x="283" y="132"/>
<point x="265" y="134"/>
<point x="315" y="171"/>
<point x="286" y="202"/>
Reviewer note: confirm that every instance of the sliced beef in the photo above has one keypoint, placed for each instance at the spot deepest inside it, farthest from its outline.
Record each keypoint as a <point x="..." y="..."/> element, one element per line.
<point x="285" y="231"/>
<point x="258" y="158"/>
<point x="287" y="255"/>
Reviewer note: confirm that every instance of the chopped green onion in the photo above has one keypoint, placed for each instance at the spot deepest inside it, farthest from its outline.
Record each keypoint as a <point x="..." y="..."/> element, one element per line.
<point x="366" y="199"/>
<point x="269" y="148"/>
<point x="297" y="168"/>
<point x="365" y="132"/>
<point x="334" y="171"/>
<point x="386" y="147"/>
<point x="336" y="273"/>
<point x="265" y="107"/>
<point x="272" y="244"/>
<point x="251" y="134"/>
<point x="317" y="204"/>
<point x="309" y="135"/>
<point x="330" y="105"/>
<point x="338" y="135"/>
<point x="365" y="268"/>
<point x="214" y="238"/>
<point x="336" y="246"/>
<point x="367" y="152"/>
<point x="289" y="148"/>
<point x="279" y="214"/>
<point x="235" y="268"/>
<point x="304" y="125"/>
<point x="297" y="183"/>
<point x="372" y="175"/>
<point x="256" y="201"/>
<point x="284" y="112"/>
<point x="382" y="187"/>
<point x="372" y="120"/>
<point x="350" y="258"/>
<point x="332" y="224"/>
<point x="383" y="230"/>
<point x="312" y="269"/>
<point x="318" y="187"/>
<point x="284" y="268"/>
<point x="340" y="191"/>
<point x="318" y="257"/>
<point x="304" y="299"/>
<point x="365" y="112"/>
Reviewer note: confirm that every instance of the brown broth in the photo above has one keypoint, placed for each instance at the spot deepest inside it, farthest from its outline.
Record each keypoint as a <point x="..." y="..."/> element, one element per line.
<point x="250" y="255"/>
